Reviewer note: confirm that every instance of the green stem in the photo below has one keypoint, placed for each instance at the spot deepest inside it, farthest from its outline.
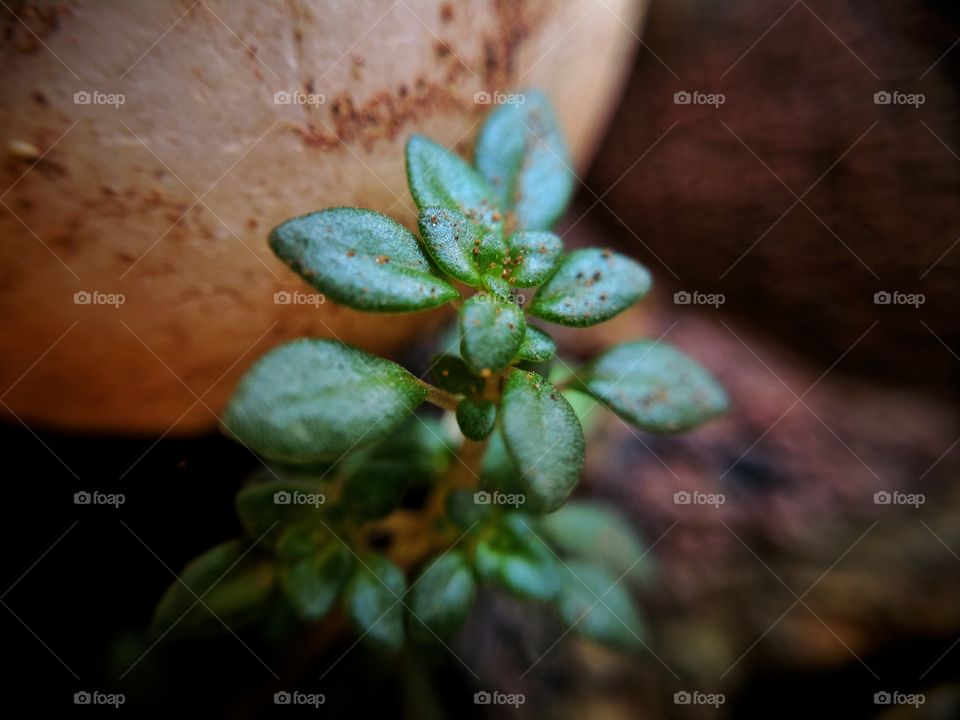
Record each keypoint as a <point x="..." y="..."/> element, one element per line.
<point x="440" y="398"/>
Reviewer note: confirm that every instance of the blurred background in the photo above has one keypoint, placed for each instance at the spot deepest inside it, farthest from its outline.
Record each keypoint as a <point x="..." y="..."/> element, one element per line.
<point x="787" y="170"/>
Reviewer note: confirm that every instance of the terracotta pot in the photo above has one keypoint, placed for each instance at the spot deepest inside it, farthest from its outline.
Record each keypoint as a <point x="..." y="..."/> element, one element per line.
<point x="147" y="156"/>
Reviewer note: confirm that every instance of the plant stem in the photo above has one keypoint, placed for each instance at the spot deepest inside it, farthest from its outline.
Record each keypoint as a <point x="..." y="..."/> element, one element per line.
<point x="440" y="398"/>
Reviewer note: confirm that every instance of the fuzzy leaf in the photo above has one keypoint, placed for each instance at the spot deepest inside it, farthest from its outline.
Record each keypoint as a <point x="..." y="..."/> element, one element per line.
<point x="278" y="503"/>
<point x="544" y="439"/>
<point x="537" y="346"/>
<point x="453" y="241"/>
<point x="589" y="287"/>
<point x="372" y="604"/>
<point x="515" y="559"/>
<point x="442" y="596"/>
<point x="601" y="608"/>
<point x="476" y="418"/>
<point x="598" y="535"/>
<point x="534" y="255"/>
<point x="312" y="400"/>
<point x="521" y="151"/>
<point x="655" y="386"/>
<point x="492" y="332"/>
<point x="313" y="583"/>
<point x="234" y="585"/>
<point x="361" y="259"/>
<point x="498" y="471"/>
<point x="438" y="177"/>
<point x="452" y="374"/>
<point x="463" y="508"/>
<point x="375" y="488"/>
<point x="497" y="285"/>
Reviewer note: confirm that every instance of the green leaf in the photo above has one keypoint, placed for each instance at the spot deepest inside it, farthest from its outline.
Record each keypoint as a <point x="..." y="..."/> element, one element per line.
<point x="437" y="177"/>
<point x="597" y="535"/>
<point x="537" y="346"/>
<point x="512" y="557"/>
<point x="655" y="386"/>
<point x="602" y="610"/>
<point x="492" y="332"/>
<point x="521" y="151"/>
<point x="496" y="285"/>
<point x="375" y="488"/>
<point x="361" y="259"/>
<point x="278" y="503"/>
<point x="301" y="540"/>
<point x="453" y="241"/>
<point x="371" y="599"/>
<point x="421" y="444"/>
<point x="543" y="437"/>
<point x="313" y="583"/>
<point x="452" y="374"/>
<point x="234" y="586"/>
<point x="476" y="418"/>
<point x="442" y="596"/>
<point x="588" y="409"/>
<point x="589" y="287"/>
<point x="498" y="471"/>
<point x="464" y="510"/>
<point x="533" y="256"/>
<point x="311" y="400"/>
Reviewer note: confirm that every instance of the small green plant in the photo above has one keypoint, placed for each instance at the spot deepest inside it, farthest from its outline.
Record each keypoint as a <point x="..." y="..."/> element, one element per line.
<point x="347" y="451"/>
